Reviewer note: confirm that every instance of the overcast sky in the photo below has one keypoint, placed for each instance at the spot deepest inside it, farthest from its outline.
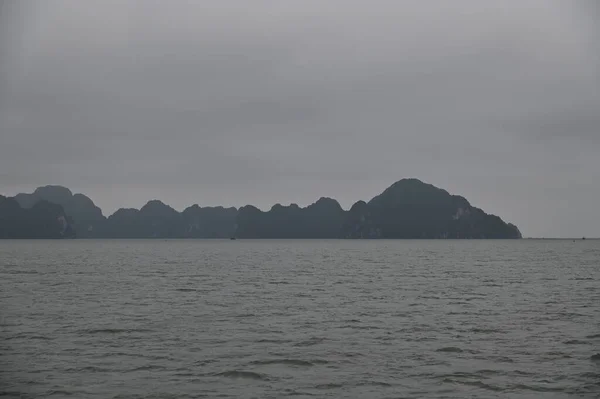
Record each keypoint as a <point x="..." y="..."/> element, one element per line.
<point x="236" y="102"/>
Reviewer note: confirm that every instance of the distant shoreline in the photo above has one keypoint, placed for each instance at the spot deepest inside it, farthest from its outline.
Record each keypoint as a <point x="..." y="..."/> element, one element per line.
<point x="408" y="209"/>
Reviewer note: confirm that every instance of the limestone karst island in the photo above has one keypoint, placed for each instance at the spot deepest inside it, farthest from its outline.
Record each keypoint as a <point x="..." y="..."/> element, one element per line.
<point x="408" y="209"/>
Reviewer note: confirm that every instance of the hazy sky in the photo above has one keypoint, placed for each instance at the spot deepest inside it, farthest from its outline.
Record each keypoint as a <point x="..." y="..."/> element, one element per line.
<point x="236" y="102"/>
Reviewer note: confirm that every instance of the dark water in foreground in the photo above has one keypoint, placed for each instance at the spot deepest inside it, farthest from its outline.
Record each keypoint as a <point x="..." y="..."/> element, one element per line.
<point x="272" y="319"/>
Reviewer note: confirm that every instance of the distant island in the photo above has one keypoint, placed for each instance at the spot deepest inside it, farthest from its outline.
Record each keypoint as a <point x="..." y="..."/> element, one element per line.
<point x="408" y="209"/>
<point x="42" y="220"/>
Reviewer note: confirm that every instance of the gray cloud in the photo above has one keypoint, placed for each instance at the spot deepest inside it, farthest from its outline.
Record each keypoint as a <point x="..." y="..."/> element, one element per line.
<point x="236" y="102"/>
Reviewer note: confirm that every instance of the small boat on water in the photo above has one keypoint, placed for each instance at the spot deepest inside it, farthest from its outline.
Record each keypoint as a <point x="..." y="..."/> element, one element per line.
<point x="232" y="238"/>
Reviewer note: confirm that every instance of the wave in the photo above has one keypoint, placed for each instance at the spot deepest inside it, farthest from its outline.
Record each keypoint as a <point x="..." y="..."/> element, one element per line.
<point x="358" y="327"/>
<point x="331" y="385"/>
<point x="484" y="373"/>
<point x="310" y="342"/>
<point x="90" y="369"/>
<point x="92" y="331"/>
<point x="29" y="337"/>
<point x="147" y="367"/>
<point x="593" y="336"/>
<point x="273" y="341"/>
<point x="291" y="392"/>
<point x="245" y="315"/>
<point x="477" y="384"/>
<point x="524" y="373"/>
<point x="160" y="395"/>
<point x="525" y="387"/>
<point x="251" y="375"/>
<point x="485" y="331"/>
<point x="503" y="359"/>
<point x="450" y="349"/>
<point x="11" y="394"/>
<point x="21" y="272"/>
<point x="574" y="342"/>
<point x="557" y="355"/>
<point x="487" y="372"/>
<point x="58" y="393"/>
<point x="290" y="362"/>
<point x="373" y="383"/>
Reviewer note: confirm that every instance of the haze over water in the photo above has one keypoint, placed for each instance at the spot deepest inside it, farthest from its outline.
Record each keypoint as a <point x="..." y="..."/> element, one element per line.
<point x="325" y="319"/>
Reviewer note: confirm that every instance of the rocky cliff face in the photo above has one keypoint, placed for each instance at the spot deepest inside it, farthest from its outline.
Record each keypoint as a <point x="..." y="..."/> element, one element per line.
<point x="359" y="222"/>
<point x="413" y="209"/>
<point x="322" y="219"/>
<point x="86" y="216"/>
<point x="409" y="208"/>
<point x="153" y="220"/>
<point x="42" y="220"/>
<point x="158" y="220"/>
<point x="209" y="222"/>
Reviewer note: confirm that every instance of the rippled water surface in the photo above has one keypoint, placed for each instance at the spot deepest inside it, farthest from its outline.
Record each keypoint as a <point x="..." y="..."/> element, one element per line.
<point x="324" y="319"/>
